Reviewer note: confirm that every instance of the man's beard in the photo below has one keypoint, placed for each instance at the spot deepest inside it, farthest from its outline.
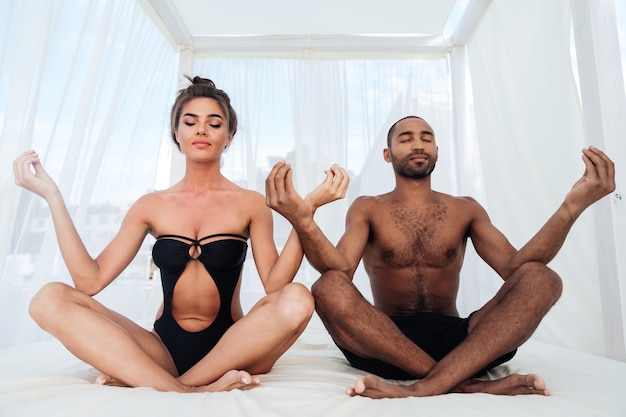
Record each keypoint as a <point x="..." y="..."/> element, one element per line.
<point x="405" y="168"/>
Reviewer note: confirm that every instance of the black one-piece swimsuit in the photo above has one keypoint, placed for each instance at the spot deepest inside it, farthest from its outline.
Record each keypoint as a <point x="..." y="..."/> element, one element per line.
<point x="223" y="259"/>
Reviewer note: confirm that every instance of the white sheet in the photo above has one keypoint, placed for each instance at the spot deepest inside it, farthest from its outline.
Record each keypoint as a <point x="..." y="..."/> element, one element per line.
<point x="44" y="379"/>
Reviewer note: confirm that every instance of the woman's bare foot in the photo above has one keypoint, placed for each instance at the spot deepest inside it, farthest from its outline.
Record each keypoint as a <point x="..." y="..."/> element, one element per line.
<point x="516" y="384"/>
<point x="371" y="386"/>
<point x="104" y="379"/>
<point x="231" y="380"/>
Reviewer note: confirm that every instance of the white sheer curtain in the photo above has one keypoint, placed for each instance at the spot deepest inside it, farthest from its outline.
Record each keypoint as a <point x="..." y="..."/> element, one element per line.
<point x="314" y="113"/>
<point x="530" y="128"/>
<point x="88" y="85"/>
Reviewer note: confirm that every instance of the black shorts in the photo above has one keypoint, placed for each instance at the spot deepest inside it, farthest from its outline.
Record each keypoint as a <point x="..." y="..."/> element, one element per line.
<point x="436" y="334"/>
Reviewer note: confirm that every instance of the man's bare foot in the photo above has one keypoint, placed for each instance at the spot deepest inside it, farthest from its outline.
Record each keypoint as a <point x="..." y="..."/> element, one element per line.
<point x="516" y="384"/>
<point x="231" y="380"/>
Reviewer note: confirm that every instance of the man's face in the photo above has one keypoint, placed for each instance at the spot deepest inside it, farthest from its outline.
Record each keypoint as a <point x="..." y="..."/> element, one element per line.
<point x="413" y="151"/>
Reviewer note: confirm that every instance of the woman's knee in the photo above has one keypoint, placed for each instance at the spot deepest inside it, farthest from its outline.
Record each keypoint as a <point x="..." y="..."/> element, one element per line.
<point x="46" y="303"/>
<point x="296" y="303"/>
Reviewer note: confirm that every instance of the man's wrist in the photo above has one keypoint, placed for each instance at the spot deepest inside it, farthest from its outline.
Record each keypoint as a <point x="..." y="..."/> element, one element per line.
<point x="570" y="211"/>
<point x="305" y="225"/>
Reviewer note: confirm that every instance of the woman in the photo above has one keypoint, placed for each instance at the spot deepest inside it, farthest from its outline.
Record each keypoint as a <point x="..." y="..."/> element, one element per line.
<point x="201" y="340"/>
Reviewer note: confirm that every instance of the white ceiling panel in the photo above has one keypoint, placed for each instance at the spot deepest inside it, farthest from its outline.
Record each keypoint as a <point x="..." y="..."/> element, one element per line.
<point x="299" y="17"/>
<point x="243" y="27"/>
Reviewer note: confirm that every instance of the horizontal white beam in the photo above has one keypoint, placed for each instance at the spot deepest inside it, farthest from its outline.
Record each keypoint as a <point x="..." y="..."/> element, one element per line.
<point x="321" y="46"/>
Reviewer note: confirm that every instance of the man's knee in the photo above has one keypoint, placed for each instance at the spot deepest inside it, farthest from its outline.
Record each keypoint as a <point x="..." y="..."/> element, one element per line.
<point x="328" y="285"/>
<point x="333" y="291"/>
<point x="45" y="304"/>
<point x="541" y="280"/>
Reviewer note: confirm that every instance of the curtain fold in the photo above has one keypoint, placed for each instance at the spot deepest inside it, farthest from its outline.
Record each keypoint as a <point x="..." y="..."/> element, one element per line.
<point x="530" y="129"/>
<point x="314" y="113"/>
<point x="88" y="85"/>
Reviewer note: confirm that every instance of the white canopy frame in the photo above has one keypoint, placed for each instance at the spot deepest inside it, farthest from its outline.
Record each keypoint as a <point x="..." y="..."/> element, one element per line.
<point x="602" y="95"/>
<point x="490" y="129"/>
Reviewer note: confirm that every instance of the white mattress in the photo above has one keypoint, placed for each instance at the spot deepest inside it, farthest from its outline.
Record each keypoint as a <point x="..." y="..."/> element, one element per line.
<point x="43" y="379"/>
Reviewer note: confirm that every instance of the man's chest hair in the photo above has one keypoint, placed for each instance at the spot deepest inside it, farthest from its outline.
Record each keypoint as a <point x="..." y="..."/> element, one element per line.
<point x="412" y="237"/>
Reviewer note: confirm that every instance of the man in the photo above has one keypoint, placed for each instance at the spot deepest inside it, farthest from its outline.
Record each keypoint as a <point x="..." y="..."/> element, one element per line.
<point x="412" y="242"/>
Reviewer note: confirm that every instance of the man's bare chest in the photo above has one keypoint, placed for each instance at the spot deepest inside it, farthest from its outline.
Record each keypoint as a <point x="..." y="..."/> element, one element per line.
<point x="404" y="238"/>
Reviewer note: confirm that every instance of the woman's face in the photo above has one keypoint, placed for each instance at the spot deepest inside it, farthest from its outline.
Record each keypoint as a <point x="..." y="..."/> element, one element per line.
<point x="203" y="129"/>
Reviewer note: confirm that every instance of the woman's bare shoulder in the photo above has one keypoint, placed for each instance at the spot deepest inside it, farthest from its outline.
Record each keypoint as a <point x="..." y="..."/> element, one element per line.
<point x="247" y="203"/>
<point x="151" y="199"/>
<point x="247" y="196"/>
<point x="151" y="205"/>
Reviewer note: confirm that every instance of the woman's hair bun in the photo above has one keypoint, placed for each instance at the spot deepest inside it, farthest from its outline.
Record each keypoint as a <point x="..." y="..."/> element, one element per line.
<point x="200" y="80"/>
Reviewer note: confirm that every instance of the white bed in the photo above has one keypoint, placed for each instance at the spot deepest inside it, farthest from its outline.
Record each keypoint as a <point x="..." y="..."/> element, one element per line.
<point x="44" y="379"/>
